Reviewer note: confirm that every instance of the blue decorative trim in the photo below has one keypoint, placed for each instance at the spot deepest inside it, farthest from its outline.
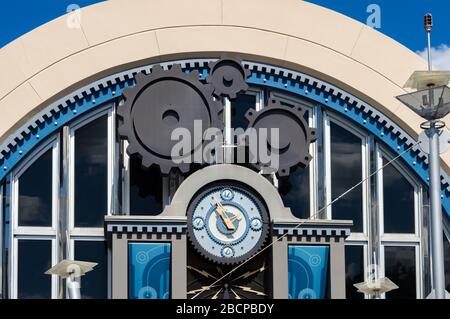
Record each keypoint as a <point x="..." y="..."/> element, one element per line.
<point x="67" y="109"/>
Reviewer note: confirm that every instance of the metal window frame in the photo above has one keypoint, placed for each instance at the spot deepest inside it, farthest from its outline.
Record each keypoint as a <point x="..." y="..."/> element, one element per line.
<point x="412" y="237"/>
<point x="28" y="232"/>
<point x="15" y="263"/>
<point x="109" y="112"/>
<point x="366" y="259"/>
<point x="417" y="260"/>
<point x="398" y="239"/>
<point x="365" y="165"/>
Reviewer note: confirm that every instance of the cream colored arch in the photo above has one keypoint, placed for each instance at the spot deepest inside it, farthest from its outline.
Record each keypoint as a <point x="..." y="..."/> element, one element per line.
<point x="56" y="58"/>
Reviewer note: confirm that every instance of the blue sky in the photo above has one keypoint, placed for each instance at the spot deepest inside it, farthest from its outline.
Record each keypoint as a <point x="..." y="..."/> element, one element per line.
<point x="400" y="19"/>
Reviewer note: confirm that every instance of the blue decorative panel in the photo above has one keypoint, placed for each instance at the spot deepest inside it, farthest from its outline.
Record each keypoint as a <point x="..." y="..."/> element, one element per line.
<point x="149" y="270"/>
<point x="307" y="271"/>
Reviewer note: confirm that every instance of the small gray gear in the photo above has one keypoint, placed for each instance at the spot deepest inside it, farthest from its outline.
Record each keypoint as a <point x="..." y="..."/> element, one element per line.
<point x="295" y="135"/>
<point x="159" y="103"/>
<point x="228" y="76"/>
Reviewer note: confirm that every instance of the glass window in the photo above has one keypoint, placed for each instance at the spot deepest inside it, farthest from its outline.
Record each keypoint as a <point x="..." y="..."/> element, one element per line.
<point x="149" y="270"/>
<point x="91" y="163"/>
<point x="35" y="193"/>
<point x="346" y="172"/>
<point x="400" y="267"/>
<point x="145" y="189"/>
<point x="354" y="270"/>
<point x="294" y="191"/>
<point x="34" y="258"/>
<point x="95" y="283"/>
<point x="398" y="198"/>
<point x="239" y="107"/>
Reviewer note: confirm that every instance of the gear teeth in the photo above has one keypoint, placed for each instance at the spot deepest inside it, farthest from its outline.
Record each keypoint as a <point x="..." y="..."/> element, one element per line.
<point x="232" y="96"/>
<point x="127" y="93"/>
<point x="313" y="134"/>
<point x="121" y="110"/>
<point x="123" y="133"/>
<point x="140" y="78"/>
<point x="283" y="172"/>
<point x="165" y="170"/>
<point x="195" y="74"/>
<point x="157" y="69"/>
<point x="177" y="68"/>
<point x="184" y="168"/>
<point x="146" y="162"/>
<point x="250" y="114"/>
<point x="131" y="150"/>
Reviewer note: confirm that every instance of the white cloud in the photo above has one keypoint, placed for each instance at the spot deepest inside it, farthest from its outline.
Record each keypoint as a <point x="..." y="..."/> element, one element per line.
<point x="440" y="56"/>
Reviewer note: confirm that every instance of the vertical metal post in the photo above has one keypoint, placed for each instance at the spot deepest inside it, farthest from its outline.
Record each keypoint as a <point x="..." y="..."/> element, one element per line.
<point x="74" y="281"/>
<point x="430" y="67"/>
<point x="437" y="245"/>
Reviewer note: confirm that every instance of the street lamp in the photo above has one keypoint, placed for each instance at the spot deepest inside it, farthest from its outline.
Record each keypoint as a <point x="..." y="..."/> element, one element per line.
<point x="72" y="270"/>
<point x="431" y="101"/>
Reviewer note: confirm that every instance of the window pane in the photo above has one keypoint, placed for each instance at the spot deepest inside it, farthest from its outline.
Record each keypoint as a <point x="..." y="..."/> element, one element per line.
<point x="239" y="107"/>
<point x="91" y="163"/>
<point x="307" y="271"/>
<point x="35" y="193"/>
<point x="398" y="196"/>
<point x="346" y="172"/>
<point x="149" y="270"/>
<point x="145" y="189"/>
<point x="447" y="262"/>
<point x="95" y="283"/>
<point x="295" y="192"/>
<point x="400" y="267"/>
<point x="34" y="258"/>
<point x="354" y="270"/>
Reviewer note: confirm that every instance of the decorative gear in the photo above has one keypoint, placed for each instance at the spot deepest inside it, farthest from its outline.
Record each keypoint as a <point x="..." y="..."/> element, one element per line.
<point x="159" y="103"/>
<point x="228" y="76"/>
<point x="295" y="135"/>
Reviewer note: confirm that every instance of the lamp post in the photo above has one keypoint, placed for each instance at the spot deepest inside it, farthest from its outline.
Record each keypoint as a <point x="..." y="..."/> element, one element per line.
<point x="72" y="270"/>
<point x="431" y="101"/>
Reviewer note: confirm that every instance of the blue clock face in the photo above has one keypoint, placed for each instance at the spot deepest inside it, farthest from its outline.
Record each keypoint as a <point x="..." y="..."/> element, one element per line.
<point x="227" y="223"/>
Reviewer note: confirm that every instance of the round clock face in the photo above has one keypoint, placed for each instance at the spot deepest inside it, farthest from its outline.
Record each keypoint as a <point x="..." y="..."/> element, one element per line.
<point x="227" y="223"/>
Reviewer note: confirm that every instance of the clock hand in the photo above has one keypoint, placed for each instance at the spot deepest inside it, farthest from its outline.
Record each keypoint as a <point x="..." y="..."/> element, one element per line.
<point x="248" y="289"/>
<point x="201" y="272"/>
<point x="251" y="272"/>
<point x="224" y="215"/>
<point x="235" y="294"/>
<point x="235" y="217"/>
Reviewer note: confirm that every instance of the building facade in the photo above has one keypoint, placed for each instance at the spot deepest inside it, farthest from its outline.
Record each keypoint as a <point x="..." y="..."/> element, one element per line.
<point x="87" y="174"/>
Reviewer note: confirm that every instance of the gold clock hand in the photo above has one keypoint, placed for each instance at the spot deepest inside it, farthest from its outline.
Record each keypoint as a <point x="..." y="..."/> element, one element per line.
<point x="248" y="289"/>
<point x="224" y="216"/>
<point x="216" y="295"/>
<point x="235" y="217"/>
<point x="235" y="294"/>
<point x="251" y="272"/>
<point x="204" y="273"/>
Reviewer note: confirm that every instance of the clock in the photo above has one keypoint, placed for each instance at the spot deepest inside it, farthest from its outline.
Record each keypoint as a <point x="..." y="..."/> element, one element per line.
<point x="227" y="222"/>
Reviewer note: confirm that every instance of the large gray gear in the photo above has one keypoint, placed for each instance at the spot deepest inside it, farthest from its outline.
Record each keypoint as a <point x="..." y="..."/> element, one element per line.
<point x="228" y="76"/>
<point x="295" y="135"/>
<point x="159" y="103"/>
